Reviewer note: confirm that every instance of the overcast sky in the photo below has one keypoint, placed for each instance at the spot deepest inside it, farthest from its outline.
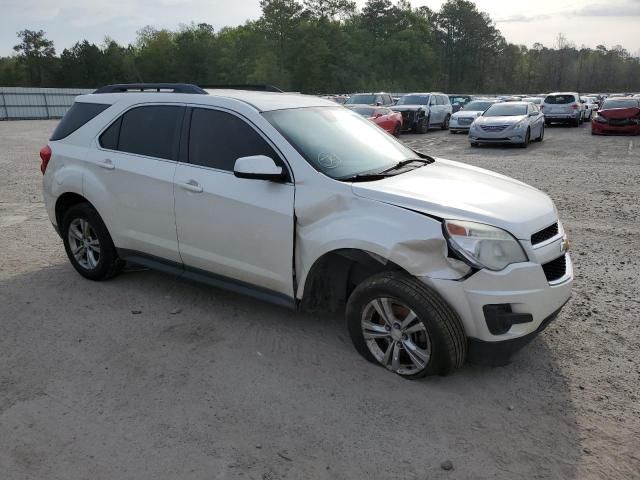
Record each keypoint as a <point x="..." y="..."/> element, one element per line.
<point x="584" y="22"/>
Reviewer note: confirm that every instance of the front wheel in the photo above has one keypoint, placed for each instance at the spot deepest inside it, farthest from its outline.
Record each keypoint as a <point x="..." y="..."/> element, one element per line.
<point x="396" y="130"/>
<point x="423" y="126"/>
<point x="527" y="139"/>
<point x="88" y="243"/>
<point x="541" y="137"/>
<point x="445" y="124"/>
<point x="400" y="323"/>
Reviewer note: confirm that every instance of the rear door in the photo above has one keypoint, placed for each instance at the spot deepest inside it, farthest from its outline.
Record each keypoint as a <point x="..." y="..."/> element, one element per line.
<point x="130" y="175"/>
<point x="237" y="228"/>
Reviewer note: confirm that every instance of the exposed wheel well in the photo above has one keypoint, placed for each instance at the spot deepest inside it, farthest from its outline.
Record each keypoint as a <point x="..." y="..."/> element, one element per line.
<point x="335" y="275"/>
<point x="66" y="201"/>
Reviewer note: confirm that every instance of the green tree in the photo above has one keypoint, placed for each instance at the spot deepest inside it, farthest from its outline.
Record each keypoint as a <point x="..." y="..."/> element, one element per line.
<point x="36" y="52"/>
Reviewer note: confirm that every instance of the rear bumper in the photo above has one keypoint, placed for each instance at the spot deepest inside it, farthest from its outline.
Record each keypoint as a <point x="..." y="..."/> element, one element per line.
<point x="561" y="117"/>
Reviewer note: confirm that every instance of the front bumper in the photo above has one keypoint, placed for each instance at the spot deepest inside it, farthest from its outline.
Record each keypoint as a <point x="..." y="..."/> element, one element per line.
<point x="523" y="287"/>
<point x="505" y="136"/>
<point x="607" y="129"/>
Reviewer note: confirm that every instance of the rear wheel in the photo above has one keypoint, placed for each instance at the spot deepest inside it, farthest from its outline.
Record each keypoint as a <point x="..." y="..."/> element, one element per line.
<point x="576" y="122"/>
<point x="445" y="124"/>
<point x="398" y="322"/>
<point x="88" y="243"/>
<point x="541" y="137"/>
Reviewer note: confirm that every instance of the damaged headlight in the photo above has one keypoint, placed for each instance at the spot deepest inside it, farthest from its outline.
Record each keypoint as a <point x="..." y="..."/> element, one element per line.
<point x="483" y="246"/>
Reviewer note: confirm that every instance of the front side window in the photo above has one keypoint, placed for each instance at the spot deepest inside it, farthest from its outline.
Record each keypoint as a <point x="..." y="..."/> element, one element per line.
<point x="217" y="139"/>
<point x="338" y="142"/>
<point x="151" y="130"/>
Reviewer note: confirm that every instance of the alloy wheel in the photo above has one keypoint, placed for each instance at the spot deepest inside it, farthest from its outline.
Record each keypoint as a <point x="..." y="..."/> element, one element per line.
<point x="395" y="336"/>
<point x="84" y="243"/>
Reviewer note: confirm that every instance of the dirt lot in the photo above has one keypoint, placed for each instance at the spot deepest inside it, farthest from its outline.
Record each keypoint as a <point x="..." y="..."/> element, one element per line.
<point x="203" y="384"/>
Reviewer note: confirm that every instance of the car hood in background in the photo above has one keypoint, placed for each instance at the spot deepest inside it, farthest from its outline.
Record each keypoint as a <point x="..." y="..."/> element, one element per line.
<point x="453" y="190"/>
<point x="619" y="113"/>
<point x="467" y="113"/>
<point x="508" y="120"/>
<point x="406" y="108"/>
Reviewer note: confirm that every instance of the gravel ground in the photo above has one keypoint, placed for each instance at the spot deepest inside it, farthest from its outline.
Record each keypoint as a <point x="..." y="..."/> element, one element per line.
<point x="202" y="384"/>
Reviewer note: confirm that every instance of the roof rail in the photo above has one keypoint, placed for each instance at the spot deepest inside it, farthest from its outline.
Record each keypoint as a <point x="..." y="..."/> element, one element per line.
<point x="251" y="87"/>
<point x="146" y="87"/>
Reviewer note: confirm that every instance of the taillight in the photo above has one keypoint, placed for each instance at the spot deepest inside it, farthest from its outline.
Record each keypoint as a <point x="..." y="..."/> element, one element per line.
<point x="574" y="106"/>
<point x="45" y="155"/>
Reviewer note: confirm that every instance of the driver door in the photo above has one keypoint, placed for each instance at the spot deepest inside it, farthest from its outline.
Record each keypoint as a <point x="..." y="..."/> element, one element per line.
<point x="241" y="230"/>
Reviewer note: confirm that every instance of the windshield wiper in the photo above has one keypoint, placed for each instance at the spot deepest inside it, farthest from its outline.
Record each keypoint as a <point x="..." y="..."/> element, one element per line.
<point x="404" y="163"/>
<point x="366" y="177"/>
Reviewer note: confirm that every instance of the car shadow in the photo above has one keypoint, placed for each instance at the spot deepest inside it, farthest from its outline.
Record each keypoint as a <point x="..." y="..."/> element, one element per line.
<point x="157" y="374"/>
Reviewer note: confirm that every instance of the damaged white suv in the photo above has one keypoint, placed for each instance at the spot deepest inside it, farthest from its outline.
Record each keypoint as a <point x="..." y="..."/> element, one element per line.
<point x="300" y="202"/>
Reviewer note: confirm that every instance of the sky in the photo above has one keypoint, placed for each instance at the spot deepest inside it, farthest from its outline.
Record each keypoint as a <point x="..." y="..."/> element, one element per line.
<point x="583" y="22"/>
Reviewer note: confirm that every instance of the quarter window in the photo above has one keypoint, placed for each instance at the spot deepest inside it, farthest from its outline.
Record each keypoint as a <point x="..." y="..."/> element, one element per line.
<point x="217" y="139"/>
<point x="79" y="114"/>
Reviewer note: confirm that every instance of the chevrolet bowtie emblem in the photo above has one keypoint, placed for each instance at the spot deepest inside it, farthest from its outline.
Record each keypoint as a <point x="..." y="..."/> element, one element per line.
<point x="565" y="245"/>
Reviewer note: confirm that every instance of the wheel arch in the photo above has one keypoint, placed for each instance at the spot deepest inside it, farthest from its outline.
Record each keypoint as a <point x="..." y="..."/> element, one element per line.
<point x="66" y="201"/>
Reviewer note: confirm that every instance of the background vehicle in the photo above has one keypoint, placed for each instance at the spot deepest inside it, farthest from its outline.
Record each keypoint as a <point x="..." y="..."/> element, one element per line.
<point x="590" y="106"/>
<point x="461" y="120"/>
<point x="421" y="111"/>
<point x="509" y="122"/>
<point x="563" y="107"/>
<point x="383" y="117"/>
<point x="378" y="99"/>
<point x="535" y="100"/>
<point x="458" y="101"/>
<point x="618" y="115"/>
<point x="202" y="185"/>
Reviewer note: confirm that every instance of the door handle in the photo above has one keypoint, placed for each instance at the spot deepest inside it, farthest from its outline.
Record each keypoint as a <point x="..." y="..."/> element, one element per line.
<point x="191" y="186"/>
<point x="107" y="163"/>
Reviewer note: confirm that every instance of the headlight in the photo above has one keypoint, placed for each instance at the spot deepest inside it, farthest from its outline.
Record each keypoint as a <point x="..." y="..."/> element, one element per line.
<point x="483" y="246"/>
<point x="519" y="126"/>
<point x="599" y="119"/>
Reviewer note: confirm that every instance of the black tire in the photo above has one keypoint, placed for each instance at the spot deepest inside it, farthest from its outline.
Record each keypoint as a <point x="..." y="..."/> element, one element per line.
<point x="474" y="144"/>
<point x="445" y="124"/>
<point x="576" y="122"/>
<point x="527" y="139"/>
<point x="541" y="137"/>
<point x="423" y="126"/>
<point x="448" y="342"/>
<point x="396" y="130"/>
<point x="547" y="123"/>
<point x="108" y="263"/>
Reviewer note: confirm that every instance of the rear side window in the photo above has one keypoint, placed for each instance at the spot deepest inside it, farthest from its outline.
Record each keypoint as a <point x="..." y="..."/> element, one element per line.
<point x="151" y="130"/>
<point x="559" y="99"/>
<point x="217" y="139"/>
<point x="79" y="114"/>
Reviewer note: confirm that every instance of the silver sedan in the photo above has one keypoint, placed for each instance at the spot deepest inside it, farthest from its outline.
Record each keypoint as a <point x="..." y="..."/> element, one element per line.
<point x="512" y="122"/>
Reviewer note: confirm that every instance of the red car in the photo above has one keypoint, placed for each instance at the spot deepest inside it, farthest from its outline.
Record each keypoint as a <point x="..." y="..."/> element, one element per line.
<point x="619" y="115"/>
<point x="385" y="118"/>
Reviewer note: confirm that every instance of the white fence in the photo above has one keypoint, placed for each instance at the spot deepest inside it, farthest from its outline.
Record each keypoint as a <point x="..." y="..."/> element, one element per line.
<point x="20" y="103"/>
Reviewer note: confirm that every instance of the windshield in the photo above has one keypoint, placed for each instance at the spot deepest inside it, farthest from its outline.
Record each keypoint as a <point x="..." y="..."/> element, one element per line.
<point x="364" y="111"/>
<point x="477" y="106"/>
<point x="414" y="100"/>
<point x="505" y="110"/>
<point x="337" y="142"/>
<point x="361" y="99"/>
<point x="621" y="103"/>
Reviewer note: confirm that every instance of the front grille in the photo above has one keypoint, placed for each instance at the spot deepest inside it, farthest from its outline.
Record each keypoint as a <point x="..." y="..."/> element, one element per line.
<point x="545" y="234"/>
<point x="555" y="269"/>
<point x="465" y="121"/>
<point x="493" y="128"/>
<point x="408" y="116"/>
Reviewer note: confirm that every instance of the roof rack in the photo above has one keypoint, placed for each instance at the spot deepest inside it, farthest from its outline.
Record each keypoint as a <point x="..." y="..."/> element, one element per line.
<point x="251" y="87"/>
<point x="147" y="87"/>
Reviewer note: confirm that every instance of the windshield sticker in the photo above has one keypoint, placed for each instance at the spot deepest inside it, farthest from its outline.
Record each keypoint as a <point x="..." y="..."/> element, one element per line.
<point x="328" y="160"/>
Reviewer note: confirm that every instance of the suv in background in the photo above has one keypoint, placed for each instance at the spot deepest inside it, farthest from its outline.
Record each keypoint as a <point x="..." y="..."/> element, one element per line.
<point x="278" y="196"/>
<point x="563" y="107"/>
<point x="376" y="99"/>
<point x="421" y="111"/>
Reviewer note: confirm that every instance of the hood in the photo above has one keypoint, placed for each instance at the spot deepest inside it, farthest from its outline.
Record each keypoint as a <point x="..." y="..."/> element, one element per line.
<point x="458" y="191"/>
<point x="619" y="113"/>
<point x="509" y="120"/>
<point x="467" y="113"/>
<point x="406" y="108"/>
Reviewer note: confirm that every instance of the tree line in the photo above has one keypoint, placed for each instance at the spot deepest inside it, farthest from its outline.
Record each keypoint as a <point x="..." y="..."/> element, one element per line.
<point x="329" y="46"/>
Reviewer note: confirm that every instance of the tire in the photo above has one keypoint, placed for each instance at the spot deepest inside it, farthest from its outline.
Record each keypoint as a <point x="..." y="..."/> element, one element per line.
<point x="396" y="130"/>
<point x="581" y="121"/>
<point x="547" y="123"/>
<point x="541" y="137"/>
<point x="576" y="122"/>
<point x="423" y="126"/>
<point x="527" y="139"/>
<point x="98" y="261"/>
<point x="445" y="124"/>
<point x="436" y="330"/>
<point x="474" y="144"/>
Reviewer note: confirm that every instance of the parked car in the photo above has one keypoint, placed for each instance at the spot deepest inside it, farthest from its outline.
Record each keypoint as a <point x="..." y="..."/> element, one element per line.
<point x="590" y="106"/>
<point x="378" y="99"/>
<point x="563" y="107"/>
<point x="383" y="117"/>
<point x="458" y="101"/>
<point x="461" y="120"/>
<point x="619" y="115"/>
<point x="534" y="100"/>
<point x="301" y="202"/>
<point x="509" y="122"/>
<point x="421" y="111"/>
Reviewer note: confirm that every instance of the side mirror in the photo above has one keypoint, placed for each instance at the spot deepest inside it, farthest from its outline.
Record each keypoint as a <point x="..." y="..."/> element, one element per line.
<point x="258" y="167"/>
<point x="533" y="114"/>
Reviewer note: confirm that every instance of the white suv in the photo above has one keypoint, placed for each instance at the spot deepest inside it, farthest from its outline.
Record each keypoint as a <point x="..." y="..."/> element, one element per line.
<point x="301" y="202"/>
<point x="563" y="107"/>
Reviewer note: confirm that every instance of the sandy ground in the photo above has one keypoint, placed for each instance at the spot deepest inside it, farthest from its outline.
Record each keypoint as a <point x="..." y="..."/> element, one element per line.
<point x="226" y="387"/>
